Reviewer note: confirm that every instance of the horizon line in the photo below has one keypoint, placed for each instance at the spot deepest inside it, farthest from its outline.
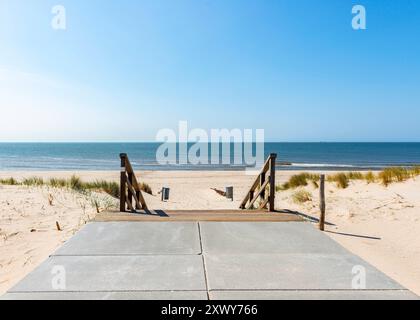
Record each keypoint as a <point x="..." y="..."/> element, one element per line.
<point x="159" y="142"/>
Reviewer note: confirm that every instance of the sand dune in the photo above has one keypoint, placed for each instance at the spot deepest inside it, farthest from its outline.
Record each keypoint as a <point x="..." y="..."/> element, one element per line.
<point x="28" y="231"/>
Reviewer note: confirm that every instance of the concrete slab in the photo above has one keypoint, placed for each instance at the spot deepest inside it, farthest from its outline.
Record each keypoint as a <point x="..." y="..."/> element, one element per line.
<point x="290" y="272"/>
<point x="262" y="237"/>
<point x="314" y="295"/>
<point x="132" y="295"/>
<point x="124" y="273"/>
<point x="134" y="238"/>
<point x="161" y="261"/>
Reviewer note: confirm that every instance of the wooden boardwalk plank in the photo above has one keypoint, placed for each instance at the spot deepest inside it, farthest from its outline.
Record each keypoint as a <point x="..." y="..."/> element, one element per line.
<point x="199" y="215"/>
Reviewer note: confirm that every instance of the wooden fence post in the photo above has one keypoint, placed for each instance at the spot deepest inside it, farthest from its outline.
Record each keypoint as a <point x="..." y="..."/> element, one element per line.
<point x="129" y="194"/>
<point x="262" y="180"/>
<point x="322" y="202"/>
<point x="273" y="158"/>
<point x="138" y="207"/>
<point x="251" y="195"/>
<point x="123" y="178"/>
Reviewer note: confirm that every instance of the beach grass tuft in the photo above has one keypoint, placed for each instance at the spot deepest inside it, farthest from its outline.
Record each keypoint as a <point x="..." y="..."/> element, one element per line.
<point x="355" y="175"/>
<point x="111" y="188"/>
<point x="301" y="196"/>
<point x="395" y="174"/>
<point x="370" y="177"/>
<point x="415" y="170"/>
<point x="57" y="183"/>
<point x="298" y="180"/>
<point x="33" y="181"/>
<point x="146" y="188"/>
<point x="9" y="181"/>
<point x="75" y="183"/>
<point x="341" y="179"/>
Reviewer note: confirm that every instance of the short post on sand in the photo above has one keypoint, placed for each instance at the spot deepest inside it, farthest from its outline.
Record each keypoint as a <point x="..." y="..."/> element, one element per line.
<point x="123" y="182"/>
<point x="322" y="202"/>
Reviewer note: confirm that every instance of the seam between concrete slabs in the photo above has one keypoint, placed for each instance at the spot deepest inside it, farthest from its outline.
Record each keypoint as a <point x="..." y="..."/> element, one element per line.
<point x="312" y="290"/>
<point x="220" y="290"/>
<point x="127" y="255"/>
<point x="203" y="260"/>
<point x="104" y="291"/>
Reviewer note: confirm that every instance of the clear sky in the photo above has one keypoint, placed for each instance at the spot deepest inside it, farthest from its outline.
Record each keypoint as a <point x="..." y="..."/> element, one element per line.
<point x="124" y="69"/>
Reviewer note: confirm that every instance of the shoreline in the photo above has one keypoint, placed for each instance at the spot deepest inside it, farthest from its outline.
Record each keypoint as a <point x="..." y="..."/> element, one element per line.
<point x="319" y="156"/>
<point x="303" y="167"/>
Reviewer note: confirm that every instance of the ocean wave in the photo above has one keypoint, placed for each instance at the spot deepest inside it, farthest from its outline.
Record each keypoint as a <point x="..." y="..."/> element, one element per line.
<point x="322" y="165"/>
<point x="335" y="166"/>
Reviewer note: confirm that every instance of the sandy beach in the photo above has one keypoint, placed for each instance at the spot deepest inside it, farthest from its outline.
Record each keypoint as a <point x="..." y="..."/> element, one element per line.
<point x="378" y="223"/>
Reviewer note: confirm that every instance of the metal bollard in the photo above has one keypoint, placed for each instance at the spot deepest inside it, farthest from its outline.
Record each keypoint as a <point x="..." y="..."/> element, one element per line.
<point x="229" y="193"/>
<point x="165" y="194"/>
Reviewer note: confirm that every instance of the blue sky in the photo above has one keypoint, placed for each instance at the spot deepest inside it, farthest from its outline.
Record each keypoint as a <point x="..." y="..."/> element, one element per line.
<point x="122" y="70"/>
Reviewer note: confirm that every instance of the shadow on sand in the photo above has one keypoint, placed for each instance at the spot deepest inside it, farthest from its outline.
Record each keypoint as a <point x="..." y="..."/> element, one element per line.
<point x="316" y="220"/>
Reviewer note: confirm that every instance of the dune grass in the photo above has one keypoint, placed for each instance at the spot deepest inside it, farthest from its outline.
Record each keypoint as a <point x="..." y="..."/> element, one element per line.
<point x="299" y="180"/>
<point x="355" y="175"/>
<point x="301" y="196"/>
<point x="397" y="174"/>
<point x="342" y="179"/>
<point x="9" y="182"/>
<point x="415" y="170"/>
<point x="370" y="177"/>
<point x="112" y="188"/>
<point x="57" y="183"/>
<point x="146" y="188"/>
<point x="76" y="184"/>
<point x="33" y="181"/>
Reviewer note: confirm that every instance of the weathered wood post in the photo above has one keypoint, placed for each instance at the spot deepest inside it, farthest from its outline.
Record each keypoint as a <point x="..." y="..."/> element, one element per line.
<point x="129" y="193"/>
<point x="251" y="196"/>
<point x="273" y="158"/>
<point x="138" y="207"/>
<point x="322" y="202"/>
<point x="123" y="182"/>
<point x="262" y="180"/>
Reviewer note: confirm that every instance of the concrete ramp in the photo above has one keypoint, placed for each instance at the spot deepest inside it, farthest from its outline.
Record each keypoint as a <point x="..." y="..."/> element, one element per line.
<point x="204" y="260"/>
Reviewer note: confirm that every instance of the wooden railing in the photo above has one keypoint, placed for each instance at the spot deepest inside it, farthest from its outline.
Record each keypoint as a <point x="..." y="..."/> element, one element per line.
<point x="266" y="179"/>
<point x="129" y="188"/>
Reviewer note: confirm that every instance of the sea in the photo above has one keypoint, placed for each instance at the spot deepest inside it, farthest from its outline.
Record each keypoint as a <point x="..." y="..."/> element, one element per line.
<point x="290" y="156"/>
